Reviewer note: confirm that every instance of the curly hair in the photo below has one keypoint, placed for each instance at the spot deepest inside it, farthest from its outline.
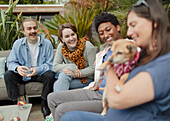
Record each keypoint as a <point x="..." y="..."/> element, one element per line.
<point x="105" y="17"/>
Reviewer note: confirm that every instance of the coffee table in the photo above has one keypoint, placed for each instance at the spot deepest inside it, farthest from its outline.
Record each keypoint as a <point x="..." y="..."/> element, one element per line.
<point x="12" y="110"/>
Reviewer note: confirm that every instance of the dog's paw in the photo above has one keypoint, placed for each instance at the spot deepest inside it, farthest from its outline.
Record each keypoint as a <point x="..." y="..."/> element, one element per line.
<point x="117" y="88"/>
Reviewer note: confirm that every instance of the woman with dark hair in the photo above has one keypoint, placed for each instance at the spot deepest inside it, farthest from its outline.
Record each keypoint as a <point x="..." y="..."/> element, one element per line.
<point x="74" y="60"/>
<point x="146" y="94"/>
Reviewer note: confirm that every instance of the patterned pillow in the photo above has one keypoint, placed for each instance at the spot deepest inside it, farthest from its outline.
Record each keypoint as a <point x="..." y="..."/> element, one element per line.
<point x="2" y="67"/>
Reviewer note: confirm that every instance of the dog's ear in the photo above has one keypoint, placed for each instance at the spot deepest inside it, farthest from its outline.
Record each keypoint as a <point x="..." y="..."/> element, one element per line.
<point x="131" y="48"/>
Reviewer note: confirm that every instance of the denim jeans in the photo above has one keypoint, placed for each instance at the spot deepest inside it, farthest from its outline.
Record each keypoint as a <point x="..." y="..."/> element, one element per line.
<point x="82" y="116"/>
<point x="66" y="82"/>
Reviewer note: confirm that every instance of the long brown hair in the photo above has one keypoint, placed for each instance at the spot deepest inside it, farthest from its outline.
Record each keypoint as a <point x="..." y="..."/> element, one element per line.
<point x="155" y="13"/>
<point x="66" y="25"/>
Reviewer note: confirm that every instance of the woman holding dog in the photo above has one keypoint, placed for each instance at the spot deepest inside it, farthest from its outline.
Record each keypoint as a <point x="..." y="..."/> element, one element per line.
<point x="74" y="60"/>
<point x="146" y="94"/>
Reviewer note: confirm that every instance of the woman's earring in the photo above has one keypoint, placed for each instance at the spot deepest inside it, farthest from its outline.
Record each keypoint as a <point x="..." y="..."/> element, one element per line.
<point x="155" y="48"/>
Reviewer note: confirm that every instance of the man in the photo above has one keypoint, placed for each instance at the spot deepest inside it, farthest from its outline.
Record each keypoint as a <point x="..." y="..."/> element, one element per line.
<point x="108" y="28"/>
<point x="33" y="54"/>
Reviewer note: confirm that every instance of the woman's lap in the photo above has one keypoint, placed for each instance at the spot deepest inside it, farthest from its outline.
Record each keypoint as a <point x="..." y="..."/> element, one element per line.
<point x="76" y="83"/>
<point x="82" y="116"/>
<point x="66" y="82"/>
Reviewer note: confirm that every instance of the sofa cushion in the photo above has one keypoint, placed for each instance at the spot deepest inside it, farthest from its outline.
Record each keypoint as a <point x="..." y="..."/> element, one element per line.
<point x="33" y="88"/>
<point x="2" y="66"/>
<point x="3" y="92"/>
<point x="2" y="83"/>
<point x="5" y="53"/>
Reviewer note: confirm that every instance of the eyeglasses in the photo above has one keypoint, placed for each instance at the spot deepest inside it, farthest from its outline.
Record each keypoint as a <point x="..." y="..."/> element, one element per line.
<point x="139" y="2"/>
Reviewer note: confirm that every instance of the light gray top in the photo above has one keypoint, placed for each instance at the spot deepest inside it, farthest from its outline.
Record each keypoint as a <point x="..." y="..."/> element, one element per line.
<point x="61" y="62"/>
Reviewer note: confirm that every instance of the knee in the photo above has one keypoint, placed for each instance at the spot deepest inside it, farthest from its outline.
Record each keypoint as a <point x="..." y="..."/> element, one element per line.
<point x="63" y="76"/>
<point x="50" y="75"/>
<point x="8" y="74"/>
<point x="52" y="98"/>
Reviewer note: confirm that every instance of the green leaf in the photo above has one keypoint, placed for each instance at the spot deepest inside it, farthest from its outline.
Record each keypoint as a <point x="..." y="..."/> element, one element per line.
<point x="3" y="19"/>
<point x="51" y="23"/>
<point x="55" y="21"/>
<point x="12" y="26"/>
<point x="51" y="27"/>
<point x="71" y="20"/>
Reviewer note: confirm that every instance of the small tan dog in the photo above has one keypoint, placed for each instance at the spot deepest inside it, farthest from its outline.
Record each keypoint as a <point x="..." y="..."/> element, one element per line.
<point x="123" y="54"/>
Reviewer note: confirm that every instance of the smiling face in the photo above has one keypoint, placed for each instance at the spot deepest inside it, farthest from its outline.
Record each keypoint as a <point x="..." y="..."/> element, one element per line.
<point x="69" y="37"/>
<point x="140" y="29"/>
<point x="30" y="31"/>
<point x="108" y="32"/>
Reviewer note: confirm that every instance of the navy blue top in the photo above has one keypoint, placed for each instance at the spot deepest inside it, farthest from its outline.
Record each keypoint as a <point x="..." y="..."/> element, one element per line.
<point x="159" y="108"/>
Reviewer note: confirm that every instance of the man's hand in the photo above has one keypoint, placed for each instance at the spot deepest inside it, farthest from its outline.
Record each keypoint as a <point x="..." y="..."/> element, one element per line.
<point x="34" y="72"/>
<point x="77" y="73"/>
<point x="22" y="70"/>
<point x="67" y="71"/>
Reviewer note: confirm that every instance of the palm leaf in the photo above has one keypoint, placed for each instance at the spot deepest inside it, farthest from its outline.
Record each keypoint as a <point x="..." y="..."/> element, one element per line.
<point x="15" y="37"/>
<point x="55" y="21"/>
<point x="47" y="32"/>
<point x="51" y="26"/>
<point x="3" y="19"/>
<point x="12" y="26"/>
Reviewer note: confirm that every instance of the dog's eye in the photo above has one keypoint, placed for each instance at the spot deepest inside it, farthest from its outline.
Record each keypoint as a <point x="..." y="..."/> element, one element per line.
<point x="118" y="53"/>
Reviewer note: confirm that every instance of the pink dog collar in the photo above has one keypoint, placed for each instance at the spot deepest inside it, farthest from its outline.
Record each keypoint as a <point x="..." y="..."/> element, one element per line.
<point x="126" y="67"/>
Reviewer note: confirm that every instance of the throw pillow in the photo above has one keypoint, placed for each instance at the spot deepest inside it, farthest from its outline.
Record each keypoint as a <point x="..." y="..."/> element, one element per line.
<point x="2" y="67"/>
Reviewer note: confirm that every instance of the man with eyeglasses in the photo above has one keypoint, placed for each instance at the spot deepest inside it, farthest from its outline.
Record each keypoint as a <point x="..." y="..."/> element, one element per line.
<point x="30" y="60"/>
